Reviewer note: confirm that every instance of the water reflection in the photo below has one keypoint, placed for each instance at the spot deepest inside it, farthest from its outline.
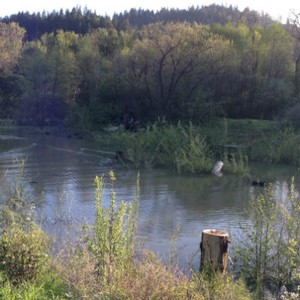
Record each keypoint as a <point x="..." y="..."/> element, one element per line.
<point x="60" y="173"/>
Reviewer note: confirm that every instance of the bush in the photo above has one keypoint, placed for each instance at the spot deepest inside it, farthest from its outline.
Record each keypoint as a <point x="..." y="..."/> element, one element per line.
<point x="23" y="254"/>
<point x="115" y="229"/>
<point x="267" y="255"/>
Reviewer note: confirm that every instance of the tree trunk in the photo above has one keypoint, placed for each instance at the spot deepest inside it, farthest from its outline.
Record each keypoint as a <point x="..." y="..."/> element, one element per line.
<point x="214" y="250"/>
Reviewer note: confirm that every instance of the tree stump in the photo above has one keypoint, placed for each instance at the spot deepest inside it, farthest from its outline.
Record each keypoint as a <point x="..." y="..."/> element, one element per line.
<point x="214" y="250"/>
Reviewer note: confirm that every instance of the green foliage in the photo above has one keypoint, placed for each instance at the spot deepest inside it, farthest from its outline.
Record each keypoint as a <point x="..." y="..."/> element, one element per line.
<point x="115" y="229"/>
<point x="280" y="146"/>
<point x="48" y="286"/>
<point x="23" y="254"/>
<point x="16" y="205"/>
<point x="11" y="42"/>
<point x="195" y="157"/>
<point x="236" y="163"/>
<point x="217" y="286"/>
<point x="23" y="245"/>
<point x="267" y="255"/>
<point x="218" y="62"/>
<point x="180" y="147"/>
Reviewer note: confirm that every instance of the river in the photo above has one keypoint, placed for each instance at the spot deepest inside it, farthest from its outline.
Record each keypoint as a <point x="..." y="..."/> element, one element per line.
<point x="60" y="169"/>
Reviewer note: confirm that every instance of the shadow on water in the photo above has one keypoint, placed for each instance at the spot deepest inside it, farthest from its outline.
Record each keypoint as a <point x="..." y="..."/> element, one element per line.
<point x="61" y="171"/>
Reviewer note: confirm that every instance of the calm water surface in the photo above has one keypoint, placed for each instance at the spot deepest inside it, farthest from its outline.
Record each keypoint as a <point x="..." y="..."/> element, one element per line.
<point x="60" y="171"/>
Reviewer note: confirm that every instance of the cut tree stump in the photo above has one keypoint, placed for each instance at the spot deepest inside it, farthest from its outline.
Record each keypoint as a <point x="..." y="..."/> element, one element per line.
<point x="214" y="250"/>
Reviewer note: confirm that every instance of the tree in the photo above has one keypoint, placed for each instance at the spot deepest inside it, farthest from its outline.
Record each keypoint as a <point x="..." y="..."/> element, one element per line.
<point x="52" y="77"/>
<point x="171" y="63"/>
<point x="11" y="42"/>
<point x="100" y="83"/>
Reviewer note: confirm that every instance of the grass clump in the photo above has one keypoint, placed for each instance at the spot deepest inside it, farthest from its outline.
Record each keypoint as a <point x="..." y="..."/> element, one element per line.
<point x="217" y="286"/>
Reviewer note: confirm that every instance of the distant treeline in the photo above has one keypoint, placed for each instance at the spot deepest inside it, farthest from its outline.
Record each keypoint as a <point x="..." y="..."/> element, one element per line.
<point x="192" y="65"/>
<point x="82" y="21"/>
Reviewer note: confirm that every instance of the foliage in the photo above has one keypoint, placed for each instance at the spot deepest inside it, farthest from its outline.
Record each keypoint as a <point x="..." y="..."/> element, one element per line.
<point x="48" y="286"/>
<point x="23" y="245"/>
<point x="267" y="257"/>
<point x="147" y="278"/>
<point x="77" y="66"/>
<point x="217" y="286"/>
<point x="280" y="146"/>
<point x="16" y="208"/>
<point x="180" y="147"/>
<point x="236" y="162"/>
<point x="23" y="254"/>
<point x="11" y="42"/>
<point x="115" y="230"/>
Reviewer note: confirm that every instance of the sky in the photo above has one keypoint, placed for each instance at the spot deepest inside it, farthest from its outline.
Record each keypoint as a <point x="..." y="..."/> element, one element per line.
<point x="278" y="10"/>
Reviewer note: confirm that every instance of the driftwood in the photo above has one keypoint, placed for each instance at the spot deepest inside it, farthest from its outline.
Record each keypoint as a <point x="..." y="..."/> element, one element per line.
<point x="214" y="250"/>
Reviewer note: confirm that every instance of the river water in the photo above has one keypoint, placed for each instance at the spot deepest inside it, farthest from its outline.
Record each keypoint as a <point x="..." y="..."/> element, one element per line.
<point x="60" y="169"/>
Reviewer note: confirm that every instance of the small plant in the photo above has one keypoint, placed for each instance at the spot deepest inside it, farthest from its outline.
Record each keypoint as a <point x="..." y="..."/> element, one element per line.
<point x="115" y="229"/>
<point x="16" y="205"/>
<point x="195" y="157"/>
<point x="236" y="163"/>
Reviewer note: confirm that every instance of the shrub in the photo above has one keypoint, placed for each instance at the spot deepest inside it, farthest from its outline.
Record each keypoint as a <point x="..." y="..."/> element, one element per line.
<point x="267" y="255"/>
<point x="23" y="254"/>
<point x="115" y="229"/>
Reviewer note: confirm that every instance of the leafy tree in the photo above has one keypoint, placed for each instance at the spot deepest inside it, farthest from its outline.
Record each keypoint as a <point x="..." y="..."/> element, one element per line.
<point x="11" y="42"/>
<point x="100" y="83"/>
<point x="171" y="63"/>
<point x="52" y="77"/>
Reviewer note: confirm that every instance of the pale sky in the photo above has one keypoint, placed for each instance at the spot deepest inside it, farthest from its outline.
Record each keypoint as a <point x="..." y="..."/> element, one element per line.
<point x="276" y="9"/>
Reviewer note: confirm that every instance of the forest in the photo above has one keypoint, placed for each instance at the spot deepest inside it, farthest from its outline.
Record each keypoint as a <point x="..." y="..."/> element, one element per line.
<point x="77" y="68"/>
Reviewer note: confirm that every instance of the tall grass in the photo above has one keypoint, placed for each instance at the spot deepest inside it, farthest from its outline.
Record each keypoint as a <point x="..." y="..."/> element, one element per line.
<point x="178" y="147"/>
<point x="182" y="148"/>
